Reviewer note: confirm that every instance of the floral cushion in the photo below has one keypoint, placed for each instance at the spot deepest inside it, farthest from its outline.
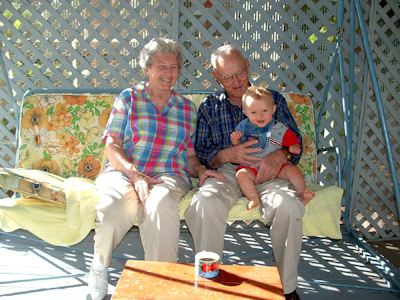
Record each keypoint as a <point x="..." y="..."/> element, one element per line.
<point x="303" y="112"/>
<point x="61" y="134"/>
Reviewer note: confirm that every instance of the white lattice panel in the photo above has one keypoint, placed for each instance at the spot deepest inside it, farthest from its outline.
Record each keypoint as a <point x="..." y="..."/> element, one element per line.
<point x="85" y="44"/>
<point x="374" y="207"/>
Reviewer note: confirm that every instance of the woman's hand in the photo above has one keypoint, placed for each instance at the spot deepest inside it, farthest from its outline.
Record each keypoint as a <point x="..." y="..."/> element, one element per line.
<point x="119" y="160"/>
<point x="141" y="184"/>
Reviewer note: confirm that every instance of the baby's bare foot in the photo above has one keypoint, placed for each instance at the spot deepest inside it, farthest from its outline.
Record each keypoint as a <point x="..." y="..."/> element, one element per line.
<point x="252" y="204"/>
<point x="306" y="196"/>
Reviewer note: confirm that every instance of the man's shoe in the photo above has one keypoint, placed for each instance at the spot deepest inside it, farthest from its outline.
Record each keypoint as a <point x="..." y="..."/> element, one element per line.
<point x="98" y="284"/>
<point x="292" y="296"/>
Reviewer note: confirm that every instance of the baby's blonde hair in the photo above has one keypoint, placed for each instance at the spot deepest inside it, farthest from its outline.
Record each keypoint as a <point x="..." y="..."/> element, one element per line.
<point x="257" y="93"/>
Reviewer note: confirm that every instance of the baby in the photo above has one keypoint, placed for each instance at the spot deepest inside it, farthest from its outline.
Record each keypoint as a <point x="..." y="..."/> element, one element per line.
<point x="258" y="105"/>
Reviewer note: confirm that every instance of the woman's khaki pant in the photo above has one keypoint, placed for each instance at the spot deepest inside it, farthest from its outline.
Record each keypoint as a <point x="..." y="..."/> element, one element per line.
<point x="159" y="222"/>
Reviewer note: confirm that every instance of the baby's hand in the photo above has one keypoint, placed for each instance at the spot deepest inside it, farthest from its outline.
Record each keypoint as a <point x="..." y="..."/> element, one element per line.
<point x="236" y="135"/>
<point x="295" y="149"/>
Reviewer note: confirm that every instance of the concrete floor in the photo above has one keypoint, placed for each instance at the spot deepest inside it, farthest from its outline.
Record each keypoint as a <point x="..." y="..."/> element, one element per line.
<point x="389" y="249"/>
<point x="32" y="269"/>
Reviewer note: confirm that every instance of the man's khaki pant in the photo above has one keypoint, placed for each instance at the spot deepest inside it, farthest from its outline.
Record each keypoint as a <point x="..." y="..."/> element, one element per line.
<point x="282" y="209"/>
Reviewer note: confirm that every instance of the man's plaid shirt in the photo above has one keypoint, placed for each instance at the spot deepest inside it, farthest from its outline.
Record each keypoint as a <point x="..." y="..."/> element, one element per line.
<point x="217" y="118"/>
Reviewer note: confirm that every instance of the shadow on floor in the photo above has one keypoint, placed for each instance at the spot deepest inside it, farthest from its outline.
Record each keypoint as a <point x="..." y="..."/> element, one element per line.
<point x="328" y="269"/>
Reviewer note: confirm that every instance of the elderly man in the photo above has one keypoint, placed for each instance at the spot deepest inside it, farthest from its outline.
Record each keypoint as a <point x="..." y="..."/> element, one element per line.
<point x="218" y="116"/>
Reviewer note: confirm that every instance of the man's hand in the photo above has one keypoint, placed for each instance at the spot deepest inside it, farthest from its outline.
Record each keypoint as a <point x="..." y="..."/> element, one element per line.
<point x="270" y="166"/>
<point x="205" y="173"/>
<point x="239" y="154"/>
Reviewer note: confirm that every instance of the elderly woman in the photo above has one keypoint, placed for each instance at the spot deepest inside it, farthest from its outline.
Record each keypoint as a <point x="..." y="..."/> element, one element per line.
<point x="149" y="142"/>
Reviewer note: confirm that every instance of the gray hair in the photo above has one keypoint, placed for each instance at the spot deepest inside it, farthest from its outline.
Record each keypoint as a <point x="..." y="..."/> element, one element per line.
<point x="160" y="45"/>
<point x="222" y="51"/>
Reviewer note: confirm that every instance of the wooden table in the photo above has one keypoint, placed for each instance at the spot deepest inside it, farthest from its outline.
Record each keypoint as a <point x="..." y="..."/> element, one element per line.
<point x="164" y="280"/>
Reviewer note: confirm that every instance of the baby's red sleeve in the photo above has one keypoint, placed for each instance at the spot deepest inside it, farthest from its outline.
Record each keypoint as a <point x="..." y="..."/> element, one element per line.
<point x="289" y="139"/>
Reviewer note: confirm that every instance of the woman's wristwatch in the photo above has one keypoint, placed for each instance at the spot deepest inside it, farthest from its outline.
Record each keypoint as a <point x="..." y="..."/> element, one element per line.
<point x="289" y="154"/>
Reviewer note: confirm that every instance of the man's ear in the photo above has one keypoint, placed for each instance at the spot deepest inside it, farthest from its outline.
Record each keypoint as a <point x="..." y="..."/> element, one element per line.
<point x="215" y="76"/>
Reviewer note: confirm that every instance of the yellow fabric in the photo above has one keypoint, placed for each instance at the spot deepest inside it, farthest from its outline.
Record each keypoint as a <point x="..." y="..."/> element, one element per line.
<point x="54" y="224"/>
<point x="321" y="218"/>
<point x="68" y="225"/>
<point x="322" y="215"/>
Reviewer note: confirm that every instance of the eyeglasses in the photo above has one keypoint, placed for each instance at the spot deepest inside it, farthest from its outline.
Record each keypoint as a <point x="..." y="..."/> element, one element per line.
<point x="228" y="79"/>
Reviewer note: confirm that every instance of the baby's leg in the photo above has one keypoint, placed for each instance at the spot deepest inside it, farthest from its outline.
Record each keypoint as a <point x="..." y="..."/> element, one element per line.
<point x="294" y="175"/>
<point x="245" y="178"/>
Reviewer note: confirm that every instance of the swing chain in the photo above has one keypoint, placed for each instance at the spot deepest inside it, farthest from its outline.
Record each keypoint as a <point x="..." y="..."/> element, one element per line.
<point x="340" y="32"/>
